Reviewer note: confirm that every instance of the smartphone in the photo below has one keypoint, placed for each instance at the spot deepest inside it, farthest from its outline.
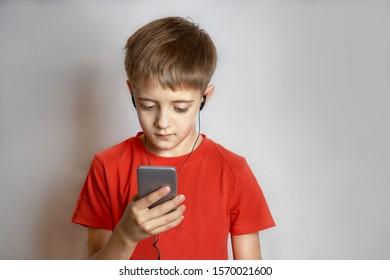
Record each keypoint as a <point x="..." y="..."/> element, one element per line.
<point x="152" y="178"/>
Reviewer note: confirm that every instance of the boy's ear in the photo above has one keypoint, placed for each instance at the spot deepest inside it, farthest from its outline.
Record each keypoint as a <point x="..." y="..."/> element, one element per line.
<point x="209" y="91"/>
<point x="206" y="96"/>
<point x="130" y="87"/>
<point x="131" y="93"/>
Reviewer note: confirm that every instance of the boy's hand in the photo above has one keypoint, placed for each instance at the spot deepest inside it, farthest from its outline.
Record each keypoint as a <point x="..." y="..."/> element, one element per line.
<point x="139" y="222"/>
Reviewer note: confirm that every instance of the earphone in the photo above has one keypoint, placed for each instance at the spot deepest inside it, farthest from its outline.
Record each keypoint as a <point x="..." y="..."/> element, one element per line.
<point x="200" y="108"/>
<point x="203" y="103"/>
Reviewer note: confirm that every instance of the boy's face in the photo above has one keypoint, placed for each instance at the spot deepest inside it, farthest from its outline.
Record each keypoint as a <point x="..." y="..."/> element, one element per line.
<point x="168" y="118"/>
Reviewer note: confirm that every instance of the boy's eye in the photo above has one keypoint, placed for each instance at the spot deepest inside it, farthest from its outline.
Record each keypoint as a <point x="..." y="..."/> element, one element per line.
<point x="181" y="110"/>
<point x="147" y="108"/>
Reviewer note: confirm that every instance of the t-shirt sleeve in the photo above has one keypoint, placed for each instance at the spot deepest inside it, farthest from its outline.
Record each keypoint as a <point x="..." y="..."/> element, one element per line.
<point x="250" y="211"/>
<point x="93" y="206"/>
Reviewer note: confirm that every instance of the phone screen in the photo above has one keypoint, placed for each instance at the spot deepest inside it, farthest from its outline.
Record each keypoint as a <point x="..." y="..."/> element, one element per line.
<point x="152" y="178"/>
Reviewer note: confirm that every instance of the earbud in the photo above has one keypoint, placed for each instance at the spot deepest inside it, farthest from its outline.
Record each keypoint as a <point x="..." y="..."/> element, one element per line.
<point x="203" y="103"/>
<point x="132" y="99"/>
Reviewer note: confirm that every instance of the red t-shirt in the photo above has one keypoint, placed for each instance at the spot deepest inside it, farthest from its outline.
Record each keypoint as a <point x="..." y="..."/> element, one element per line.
<point x="222" y="197"/>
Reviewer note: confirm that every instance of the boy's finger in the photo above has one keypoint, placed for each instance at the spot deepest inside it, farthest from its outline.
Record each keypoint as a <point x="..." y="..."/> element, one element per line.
<point x="151" y="198"/>
<point x="164" y="222"/>
<point x="166" y="207"/>
<point x="168" y="226"/>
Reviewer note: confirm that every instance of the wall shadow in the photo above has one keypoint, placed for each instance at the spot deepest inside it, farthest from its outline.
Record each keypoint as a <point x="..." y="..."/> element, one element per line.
<point x="56" y="236"/>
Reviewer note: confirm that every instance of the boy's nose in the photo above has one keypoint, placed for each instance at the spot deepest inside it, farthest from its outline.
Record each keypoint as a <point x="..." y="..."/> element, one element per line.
<point x="163" y="120"/>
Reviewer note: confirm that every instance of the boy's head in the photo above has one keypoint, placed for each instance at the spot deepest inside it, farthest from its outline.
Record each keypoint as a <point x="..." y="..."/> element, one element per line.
<point x="173" y="52"/>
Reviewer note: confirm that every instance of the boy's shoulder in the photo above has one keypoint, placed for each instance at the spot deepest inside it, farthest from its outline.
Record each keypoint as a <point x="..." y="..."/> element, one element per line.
<point x="226" y="153"/>
<point x="228" y="157"/>
<point x="119" y="150"/>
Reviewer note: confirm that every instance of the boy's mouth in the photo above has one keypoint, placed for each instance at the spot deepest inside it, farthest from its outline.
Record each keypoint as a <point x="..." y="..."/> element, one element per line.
<point x="163" y="136"/>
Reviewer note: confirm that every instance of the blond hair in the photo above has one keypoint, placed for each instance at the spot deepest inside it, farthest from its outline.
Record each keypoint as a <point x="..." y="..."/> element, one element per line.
<point x="174" y="52"/>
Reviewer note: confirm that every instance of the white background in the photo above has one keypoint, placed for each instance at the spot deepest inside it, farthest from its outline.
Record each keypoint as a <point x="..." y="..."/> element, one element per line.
<point x="302" y="91"/>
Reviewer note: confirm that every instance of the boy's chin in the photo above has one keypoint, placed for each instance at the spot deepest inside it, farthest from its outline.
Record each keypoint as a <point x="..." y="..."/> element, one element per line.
<point x="157" y="144"/>
<point x="169" y="145"/>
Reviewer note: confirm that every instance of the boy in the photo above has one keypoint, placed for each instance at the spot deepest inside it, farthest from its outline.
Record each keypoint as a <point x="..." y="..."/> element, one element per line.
<point x="169" y="63"/>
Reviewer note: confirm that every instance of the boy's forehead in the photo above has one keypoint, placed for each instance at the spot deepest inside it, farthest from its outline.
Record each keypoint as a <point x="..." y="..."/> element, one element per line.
<point x="160" y="91"/>
<point x="154" y="86"/>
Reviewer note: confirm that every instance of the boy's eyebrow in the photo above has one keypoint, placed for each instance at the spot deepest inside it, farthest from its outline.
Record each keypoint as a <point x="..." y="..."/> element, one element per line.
<point x="183" y="101"/>
<point x="174" y="101"/>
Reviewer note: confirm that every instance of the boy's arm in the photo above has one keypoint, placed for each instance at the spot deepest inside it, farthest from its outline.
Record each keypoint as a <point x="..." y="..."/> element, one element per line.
<point x="106" y="244"/>
<point x="246" y="246"/>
